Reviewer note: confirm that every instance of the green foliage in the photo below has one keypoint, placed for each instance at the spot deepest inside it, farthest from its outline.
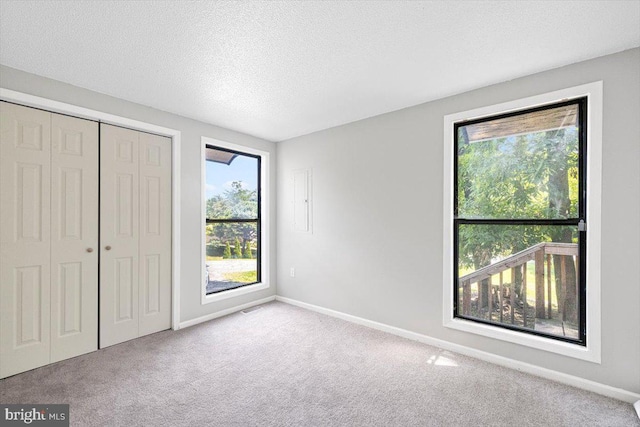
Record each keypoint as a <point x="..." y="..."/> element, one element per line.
<point x="227" y="251"/>
<point x="236" y="203"/>
<point x="531" y="176"/>
<point x="246" y="253"/>
<point x="237" y="249"/>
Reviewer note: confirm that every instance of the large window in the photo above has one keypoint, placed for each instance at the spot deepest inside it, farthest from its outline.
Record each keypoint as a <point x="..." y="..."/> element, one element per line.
<point x="519" y="220"/>
<point x="233" y="241"/>
<point x="522" y="197"/>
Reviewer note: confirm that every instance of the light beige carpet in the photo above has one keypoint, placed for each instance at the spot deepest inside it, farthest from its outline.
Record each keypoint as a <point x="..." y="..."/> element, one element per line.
<point x="286" y="366"/>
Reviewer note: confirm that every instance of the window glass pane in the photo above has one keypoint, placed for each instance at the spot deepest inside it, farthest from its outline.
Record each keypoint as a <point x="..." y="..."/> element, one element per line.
<point x="232" y="185"/>
<point x="523" y="166"/>
<point x="232" y="252"/>
<point x="525" y="276"/>
<point x="233" y="223"/>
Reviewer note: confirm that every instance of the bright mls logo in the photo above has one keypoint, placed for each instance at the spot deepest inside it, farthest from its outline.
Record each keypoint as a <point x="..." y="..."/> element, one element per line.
<point x="36" y="415"/>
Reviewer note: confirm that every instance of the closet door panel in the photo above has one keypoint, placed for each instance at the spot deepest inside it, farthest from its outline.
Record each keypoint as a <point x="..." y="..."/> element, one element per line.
<point x="155" y="233"/>
<point x="74" y="237"/>
<point x="119" y="234"/>
<point x="24" y="238"/>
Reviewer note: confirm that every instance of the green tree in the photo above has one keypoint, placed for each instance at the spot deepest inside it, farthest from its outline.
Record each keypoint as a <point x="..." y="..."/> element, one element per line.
<point x="237" y="249"/>
<point x="524" y="176"/>
<point x="235" y="203"/>
<point x="247" y="251"/>
<point x="243" y="204"/>
<point x="561" y="205"/>
<point x="227" y="251"/>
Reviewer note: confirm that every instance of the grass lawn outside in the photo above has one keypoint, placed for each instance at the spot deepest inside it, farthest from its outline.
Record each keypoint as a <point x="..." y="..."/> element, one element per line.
<point x="242" y="276"/>
<point x="237" y="270"/>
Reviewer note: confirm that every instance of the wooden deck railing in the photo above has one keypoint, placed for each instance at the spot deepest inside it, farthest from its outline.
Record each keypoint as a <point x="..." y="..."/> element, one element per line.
<point x="541" y="255"/>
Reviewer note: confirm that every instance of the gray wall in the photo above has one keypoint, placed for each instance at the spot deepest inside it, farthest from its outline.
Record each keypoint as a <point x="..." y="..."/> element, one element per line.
<point x="191" y="252"/>
<point x="376" y="248"/>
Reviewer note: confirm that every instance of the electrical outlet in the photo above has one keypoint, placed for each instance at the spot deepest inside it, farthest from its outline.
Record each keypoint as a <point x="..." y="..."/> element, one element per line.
<point x="292" y="272"/>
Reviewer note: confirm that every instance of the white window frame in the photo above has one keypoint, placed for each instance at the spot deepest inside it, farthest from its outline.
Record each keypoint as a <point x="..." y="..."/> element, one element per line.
<point x="592" y="351"/>
<point x="264" y="220"/>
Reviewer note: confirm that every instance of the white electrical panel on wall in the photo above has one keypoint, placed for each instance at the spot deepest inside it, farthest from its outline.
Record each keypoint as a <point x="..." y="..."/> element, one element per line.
<point x="302" y="200"/>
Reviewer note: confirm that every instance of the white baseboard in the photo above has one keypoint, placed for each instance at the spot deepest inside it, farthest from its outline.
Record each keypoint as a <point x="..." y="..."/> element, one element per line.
<point x="221" y="313"/>
<point x="603" y="389"/>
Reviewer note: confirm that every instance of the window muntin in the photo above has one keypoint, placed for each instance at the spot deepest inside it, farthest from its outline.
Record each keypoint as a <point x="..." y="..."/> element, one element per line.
<point x="519" y="202"/>
<point x="232" y="230"/>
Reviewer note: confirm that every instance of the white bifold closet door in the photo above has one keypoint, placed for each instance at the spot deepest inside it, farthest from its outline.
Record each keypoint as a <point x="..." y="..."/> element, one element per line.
<point x="48" y="237"/>
<point x="135" y="234"/>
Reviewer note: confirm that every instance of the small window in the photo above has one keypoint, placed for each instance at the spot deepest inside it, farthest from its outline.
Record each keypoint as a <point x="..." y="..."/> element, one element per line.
<point x="233" y="219"/>
<point x="519" y="220"/>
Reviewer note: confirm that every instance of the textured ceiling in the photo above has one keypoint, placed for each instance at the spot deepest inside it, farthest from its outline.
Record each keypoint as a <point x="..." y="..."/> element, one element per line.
<point x="282" y="69"/>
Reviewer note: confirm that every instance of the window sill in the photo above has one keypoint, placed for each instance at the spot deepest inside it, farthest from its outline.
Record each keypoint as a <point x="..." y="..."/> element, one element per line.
<point x="207" y="299"/>
<point x="541" y="343"/>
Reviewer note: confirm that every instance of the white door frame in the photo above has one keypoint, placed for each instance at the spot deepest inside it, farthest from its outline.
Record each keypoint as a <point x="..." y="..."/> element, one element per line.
<point x="99" y="116"/>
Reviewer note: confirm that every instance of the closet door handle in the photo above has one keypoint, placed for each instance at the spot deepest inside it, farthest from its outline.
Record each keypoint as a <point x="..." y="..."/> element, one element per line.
<point x="108" y="248"/>
<point x="89" y="250"/>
